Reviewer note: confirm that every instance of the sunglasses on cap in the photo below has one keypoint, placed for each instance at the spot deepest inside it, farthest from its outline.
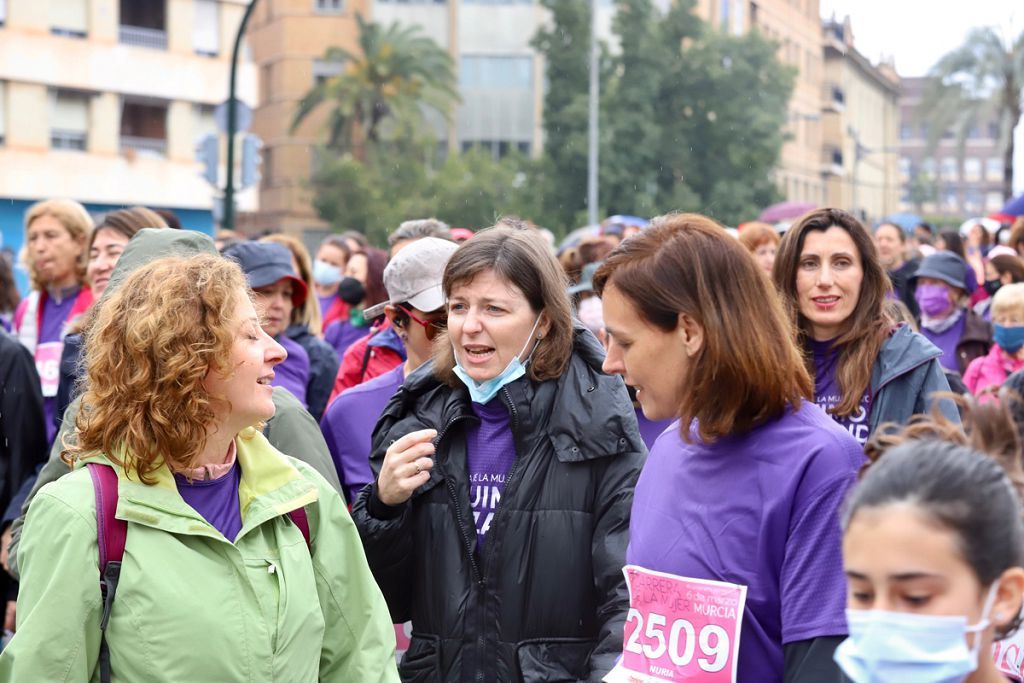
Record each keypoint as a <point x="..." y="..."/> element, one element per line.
<point x="431" y="328"/>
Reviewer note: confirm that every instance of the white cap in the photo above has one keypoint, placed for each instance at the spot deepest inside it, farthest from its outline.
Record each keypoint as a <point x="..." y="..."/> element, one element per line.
<point x="414" y="276"/>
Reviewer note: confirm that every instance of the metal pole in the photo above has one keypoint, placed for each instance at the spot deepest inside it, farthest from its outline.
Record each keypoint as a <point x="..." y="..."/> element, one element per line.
<point x="592" y="160"/>
<point x="229" y="186"/>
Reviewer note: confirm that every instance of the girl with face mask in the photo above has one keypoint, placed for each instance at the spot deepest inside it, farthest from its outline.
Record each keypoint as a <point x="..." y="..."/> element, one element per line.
<point x="932" y="547"/>
<point x="946" y="320"/>
<point x="328" y="271"/>
<point x="361" y="288"/>
<point x="1006" y="356"/>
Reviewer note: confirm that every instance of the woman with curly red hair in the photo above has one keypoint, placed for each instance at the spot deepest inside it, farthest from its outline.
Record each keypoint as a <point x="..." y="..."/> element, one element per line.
<point x="215" y="563"/>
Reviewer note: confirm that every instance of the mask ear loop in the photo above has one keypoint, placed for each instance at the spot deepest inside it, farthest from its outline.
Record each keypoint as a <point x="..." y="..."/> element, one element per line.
<point x="977" y="629"/>
<point x="535" y="345"/>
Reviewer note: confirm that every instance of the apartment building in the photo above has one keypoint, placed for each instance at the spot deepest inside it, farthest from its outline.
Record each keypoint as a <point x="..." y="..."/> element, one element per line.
<point x="102" y="101"/>
<point x="860" y="127"/>
<point x="947" y="181"/>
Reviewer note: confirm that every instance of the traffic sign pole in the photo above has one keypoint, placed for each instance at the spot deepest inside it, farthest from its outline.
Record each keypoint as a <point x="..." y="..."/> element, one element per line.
<point x="229" y="186"/>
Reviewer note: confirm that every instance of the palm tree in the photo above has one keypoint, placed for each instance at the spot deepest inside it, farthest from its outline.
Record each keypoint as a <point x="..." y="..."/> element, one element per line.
<point x="978" y="81"/>
<point x="396" y="73"/>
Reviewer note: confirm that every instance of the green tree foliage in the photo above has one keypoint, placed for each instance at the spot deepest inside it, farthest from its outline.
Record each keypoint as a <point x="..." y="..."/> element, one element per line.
<point x="396" y="73"/>
<point x="981" y="80"/>
<point x="565" y="44"/>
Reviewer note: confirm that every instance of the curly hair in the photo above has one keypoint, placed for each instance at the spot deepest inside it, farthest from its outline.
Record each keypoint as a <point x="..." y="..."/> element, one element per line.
<point x="147" y="351"/>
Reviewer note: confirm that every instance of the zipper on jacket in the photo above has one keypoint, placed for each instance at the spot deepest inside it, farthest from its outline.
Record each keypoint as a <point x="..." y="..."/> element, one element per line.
<point x="477" y="573"/>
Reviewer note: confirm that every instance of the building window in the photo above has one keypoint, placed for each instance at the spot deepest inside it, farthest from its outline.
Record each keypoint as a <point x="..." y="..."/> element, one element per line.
<point x="266" y="82"/>
<point x="993" y="130"/>
<point x="202" y="120"/>
<point x="143" y="24"/>
<point x="328" y="6"/>
<point x="497" y="148"/>
<point x="948" y="168"/>
<point x="906" y="166"/>
<point x="993" y="201"/>
<point x="3" y="109"/>
<point x="993" y="168"/>
<point x="441" y="2"/>
<point x="496" y="72"/>
<point x="69" y="120"/>
<point x="906" y="132"/>
<point x="69" y="18"/>
<point x="485" y="2"/>
<point x="144" y="128"/>
<point x="972" y="170"/>
<point x="949" y="199"/>
<point x="972" y="200"/>
<point x="267" y="176"/>
<point x="206" y="31"/>
<point x="324" y="70"/>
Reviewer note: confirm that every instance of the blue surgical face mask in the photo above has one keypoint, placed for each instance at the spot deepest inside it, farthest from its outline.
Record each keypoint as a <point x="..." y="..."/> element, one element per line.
<point x="1009" y="339"/>
<point x="896" y="646"/>
<point x="325" y="275"/>
<point x="483" y="392"/>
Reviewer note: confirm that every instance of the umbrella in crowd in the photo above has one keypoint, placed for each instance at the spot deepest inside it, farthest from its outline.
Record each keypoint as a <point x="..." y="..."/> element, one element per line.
<point x="785" y="211"/>
<point x="1010" y="212"/>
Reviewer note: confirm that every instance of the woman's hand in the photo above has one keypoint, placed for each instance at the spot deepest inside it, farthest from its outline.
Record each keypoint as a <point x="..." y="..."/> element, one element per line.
<point x="406" y="467"/>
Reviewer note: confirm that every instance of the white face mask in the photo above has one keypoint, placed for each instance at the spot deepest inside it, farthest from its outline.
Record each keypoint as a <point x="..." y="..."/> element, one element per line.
<point x="483" y="392"/>
<point x="896" y="646"/>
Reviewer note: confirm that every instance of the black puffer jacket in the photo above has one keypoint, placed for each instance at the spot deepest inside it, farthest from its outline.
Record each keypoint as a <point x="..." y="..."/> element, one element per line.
<point x="545" y="600"/>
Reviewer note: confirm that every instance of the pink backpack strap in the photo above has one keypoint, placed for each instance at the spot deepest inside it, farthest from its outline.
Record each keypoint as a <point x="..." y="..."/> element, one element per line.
<point x="111" y="534"/>
<point x="302" y="521"/>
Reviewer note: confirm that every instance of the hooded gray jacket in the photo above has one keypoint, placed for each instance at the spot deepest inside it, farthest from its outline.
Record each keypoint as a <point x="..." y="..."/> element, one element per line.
<point x="906" y="374"/>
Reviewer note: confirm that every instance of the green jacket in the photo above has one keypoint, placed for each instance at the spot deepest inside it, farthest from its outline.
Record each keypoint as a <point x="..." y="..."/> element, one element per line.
<point x="190" y="605"/>
<point x="291" y="430"/>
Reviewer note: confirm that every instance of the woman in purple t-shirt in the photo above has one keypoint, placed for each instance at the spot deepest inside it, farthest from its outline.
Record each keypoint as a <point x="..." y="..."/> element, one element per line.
<point x="867" y="370"/>
<point x="741" y="497"/>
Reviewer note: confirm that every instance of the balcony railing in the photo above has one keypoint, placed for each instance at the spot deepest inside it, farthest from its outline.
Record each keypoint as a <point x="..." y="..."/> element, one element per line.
<point x="68" y="139"/>
<point x="136" y="36"/>
<point x="145" y="147"/>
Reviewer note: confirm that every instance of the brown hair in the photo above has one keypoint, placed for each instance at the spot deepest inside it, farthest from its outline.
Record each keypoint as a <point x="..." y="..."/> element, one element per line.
<point x="868" y="326"/>
<point x="149" y="346"/>
<point x="75" y="220"/>
<point x="9" y="296"/>
<point x="688" y="264"/>
<point x="755" y="234"/>
<point x="987" y="427"/>
<point x="1004" y="263"/>
<point x="309" y="313"/>
<point x="376" y="262"/>
<point x="1016" y="233"/>
<point x="522" y="259"/>
<point x="127" y="222"/>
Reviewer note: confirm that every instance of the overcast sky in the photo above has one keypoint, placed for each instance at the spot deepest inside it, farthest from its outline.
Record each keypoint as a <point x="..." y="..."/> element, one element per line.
<point x="918" y="32"/>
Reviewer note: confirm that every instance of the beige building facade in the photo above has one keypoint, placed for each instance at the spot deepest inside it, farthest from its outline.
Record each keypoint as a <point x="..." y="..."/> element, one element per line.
<point x="103" y="101"/>
<point x="796" y="26"/>
<point x="288" y="40"/>
<point x="861" y="127"/>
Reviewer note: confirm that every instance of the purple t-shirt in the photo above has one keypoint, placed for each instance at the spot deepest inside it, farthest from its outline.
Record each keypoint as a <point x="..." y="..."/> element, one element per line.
<point x="348" y="425"/>
<point x="51" y="326"/>
<point x="947" y="341"/>
<point x="650" y="430"/>
<point x="490" y="452"/>
<point x="216" y="500"/>
<point x="828" y="394"/>
<point x="293" y="373"/>
<point x="326" y="302"/>
<point x="341" y="334"/>
<point x="759" y="510"/>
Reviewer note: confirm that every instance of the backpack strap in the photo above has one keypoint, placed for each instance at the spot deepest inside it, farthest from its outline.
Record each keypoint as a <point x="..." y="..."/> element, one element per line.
<point x="111" y="534"/>
<point x="302" y="521"/>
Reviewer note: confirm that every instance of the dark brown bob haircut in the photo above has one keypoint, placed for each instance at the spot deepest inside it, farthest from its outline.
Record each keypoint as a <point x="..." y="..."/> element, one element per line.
<point x="868" y="326"/>
<point x="749" y="369"/>
<point x="521" y="258"/>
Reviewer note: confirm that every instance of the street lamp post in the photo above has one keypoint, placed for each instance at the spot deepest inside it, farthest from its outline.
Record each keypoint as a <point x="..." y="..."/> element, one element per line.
<point x="592" y="159"/>
<point x="229" y="185"/>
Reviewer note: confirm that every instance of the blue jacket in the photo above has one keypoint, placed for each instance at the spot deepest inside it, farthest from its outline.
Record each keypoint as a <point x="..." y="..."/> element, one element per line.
<point x="906" y="374"/>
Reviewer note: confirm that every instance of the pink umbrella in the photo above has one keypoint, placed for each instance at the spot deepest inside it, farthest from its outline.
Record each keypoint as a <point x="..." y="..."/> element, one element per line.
<point x="784" y="211"/>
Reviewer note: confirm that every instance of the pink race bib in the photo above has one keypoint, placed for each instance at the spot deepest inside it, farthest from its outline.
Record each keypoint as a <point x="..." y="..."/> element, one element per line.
<point x="1009" y="656"/>
<point x="402" y="634"/>
<point x="679" y="629"/>
<point x="48" y="366"/>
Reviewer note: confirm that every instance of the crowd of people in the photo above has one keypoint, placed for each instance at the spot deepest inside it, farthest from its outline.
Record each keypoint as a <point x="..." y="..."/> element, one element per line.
<point x="669" y="451"/>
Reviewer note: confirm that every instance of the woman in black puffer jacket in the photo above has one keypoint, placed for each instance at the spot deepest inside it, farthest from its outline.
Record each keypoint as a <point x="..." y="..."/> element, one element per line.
<point x="505" y="471"/>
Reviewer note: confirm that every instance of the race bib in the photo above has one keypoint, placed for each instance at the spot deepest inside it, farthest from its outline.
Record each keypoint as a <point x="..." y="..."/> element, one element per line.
<point x="403" y="632"/>
<point x="48" y="366"/>
<point x="1009" y="656"/>
<point x="679" y="629"/>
